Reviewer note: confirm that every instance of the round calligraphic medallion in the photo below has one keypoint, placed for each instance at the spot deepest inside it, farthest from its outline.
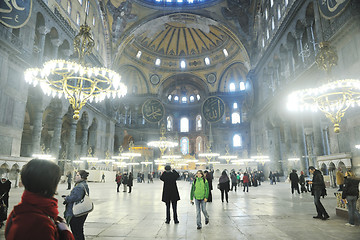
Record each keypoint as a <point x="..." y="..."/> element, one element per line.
<point x="15" y="14"/>
<point x="153" y="110"/>
<point x="332" y="8"/>
<point x="213" y="109"/>
<point x="154" y="79"/>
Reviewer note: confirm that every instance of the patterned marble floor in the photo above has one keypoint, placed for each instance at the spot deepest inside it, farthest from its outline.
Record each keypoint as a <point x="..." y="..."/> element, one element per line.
<point x="265" y="212"/>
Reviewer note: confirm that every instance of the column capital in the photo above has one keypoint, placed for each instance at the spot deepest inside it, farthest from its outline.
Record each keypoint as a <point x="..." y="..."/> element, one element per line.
<point x="56" y="42"/>
<point x="298" y="34"/>
<point x="43" y="30"/>
<point x="308" y="22"/>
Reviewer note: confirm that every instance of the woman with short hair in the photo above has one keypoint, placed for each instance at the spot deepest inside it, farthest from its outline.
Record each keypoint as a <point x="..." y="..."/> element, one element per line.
<point x="36" y="216"/>
<point x="77" y="193"/>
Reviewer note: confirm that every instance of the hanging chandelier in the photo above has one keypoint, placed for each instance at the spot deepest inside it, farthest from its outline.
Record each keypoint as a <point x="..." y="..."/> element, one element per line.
<point x="76" y="81"/>
<point x="332" y="98"/>
<point x="162" y="144"/>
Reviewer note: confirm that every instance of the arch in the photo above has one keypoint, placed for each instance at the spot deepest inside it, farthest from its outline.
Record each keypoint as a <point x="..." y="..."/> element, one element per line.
<point x="4" y="169"/>
<point x="184" y="124"/>
<point x="237" y="141"/>
<point x="324" y="169"/>
<point x="234" y="73"/>
<point x="132" y="77"/>
<point x="235" y="118"/>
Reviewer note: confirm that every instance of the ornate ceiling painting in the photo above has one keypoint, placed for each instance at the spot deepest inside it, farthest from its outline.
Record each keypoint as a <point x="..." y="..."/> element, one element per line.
<point x="178" y="42"/>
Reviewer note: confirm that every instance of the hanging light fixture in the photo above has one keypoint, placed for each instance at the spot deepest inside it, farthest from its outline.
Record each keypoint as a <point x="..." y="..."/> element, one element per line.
<point x="76" y="81"/>
<point x="332" y="98"/>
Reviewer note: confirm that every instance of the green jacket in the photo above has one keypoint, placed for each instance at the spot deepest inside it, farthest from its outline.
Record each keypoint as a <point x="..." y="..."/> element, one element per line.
<point x="199" y="189"/>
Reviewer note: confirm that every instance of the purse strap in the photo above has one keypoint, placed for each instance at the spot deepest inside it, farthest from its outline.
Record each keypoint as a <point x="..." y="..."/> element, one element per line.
<point x="86" y="193"/>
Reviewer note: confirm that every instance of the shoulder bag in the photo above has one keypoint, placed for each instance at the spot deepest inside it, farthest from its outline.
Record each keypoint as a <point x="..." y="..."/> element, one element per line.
<point x="84" y="206"/>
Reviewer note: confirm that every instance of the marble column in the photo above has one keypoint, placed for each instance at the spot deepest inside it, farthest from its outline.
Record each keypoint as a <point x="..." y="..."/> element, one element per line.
<point x="277" y="149"/>
<point x="56" y="44"/>
<point x="55" y="143"/>
<point x="42" y="31"/>
<point x="318" y="27"/>
<point x="36" y="131"/>
<point x="302" y="146"/>
<point x="298" y="37"/>
<point x="288" y="143"/>
<point x="71" y="140"/>
<point x="84" y="141"/>
<point x="319" y="149"/>
<point x="290" y="47"/>
<point x="310" y="36"/>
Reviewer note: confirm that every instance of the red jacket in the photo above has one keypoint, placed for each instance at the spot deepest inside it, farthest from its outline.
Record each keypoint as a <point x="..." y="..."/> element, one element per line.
<point x="34" y="218"/>
<point x="245" y="179"/>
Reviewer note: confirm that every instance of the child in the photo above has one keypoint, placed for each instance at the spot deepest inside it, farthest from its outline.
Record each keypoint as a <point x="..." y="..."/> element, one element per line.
<point x="200" y="191"/>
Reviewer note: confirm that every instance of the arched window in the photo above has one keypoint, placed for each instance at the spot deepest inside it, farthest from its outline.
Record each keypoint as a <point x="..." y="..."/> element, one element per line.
<point x="242" y="86"/>
<point x="232" y="87"/>
<point x="279" y="12"/>
<point x="199" y="147"/>
<point x="69" y="7"/>
<point x="80" y="1"/>
<point x="87" y="7"/>
<point x="78" y="18"/>
<point x="184" y="124"/>
<point x="184" y="99"/>
<point x="235" y="105"/>
<point x="235" y="118"/>
<point x="184" y="145"/>
<point x="198" y="123"/>
<point x="169" y="123"/>
<point x="237" y="140"/>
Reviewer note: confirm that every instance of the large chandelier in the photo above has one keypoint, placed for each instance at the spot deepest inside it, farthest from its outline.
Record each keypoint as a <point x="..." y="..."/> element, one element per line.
<point x="76" y="81"/>
<point x="163" y="144"/>
<point x="332" y="98"/>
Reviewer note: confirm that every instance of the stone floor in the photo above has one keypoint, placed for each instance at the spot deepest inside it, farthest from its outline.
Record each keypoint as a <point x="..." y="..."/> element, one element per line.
<point x="265" y="212"/>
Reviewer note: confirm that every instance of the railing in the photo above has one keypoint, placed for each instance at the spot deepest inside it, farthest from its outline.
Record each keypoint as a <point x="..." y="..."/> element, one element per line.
<point x="9" y="37"/>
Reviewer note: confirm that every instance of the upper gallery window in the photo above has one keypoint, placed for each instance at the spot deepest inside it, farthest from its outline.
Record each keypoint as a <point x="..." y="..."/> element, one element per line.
<point x="81" y="2"/>
<point x="235" y="118"/>
<point x="232" y="87"/>
<point x="78" y="18"/>
<point x="184" y="145"/>
<point x="184" y="124"/>
<point x="237" y="140"/>
<point x="242" y="86"/>
<point x="169" y="124"/>
<point x="198" y="123"/>
<point x="69" y="7"/>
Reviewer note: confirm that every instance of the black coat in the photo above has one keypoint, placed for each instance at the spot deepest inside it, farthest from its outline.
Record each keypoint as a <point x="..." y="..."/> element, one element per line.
<point x="130" y="180"/>
<point x="294" y="179"/>
<point x="351" y="187"/>
<point x="224" y="183"/>
<point x="5" y="188"/>
<point x="170" y="190"/>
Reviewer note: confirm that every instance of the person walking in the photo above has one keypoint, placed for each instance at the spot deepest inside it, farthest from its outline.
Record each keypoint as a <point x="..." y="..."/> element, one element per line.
<point x="170" y="194"/>
<point x="351" y="194"/>
<point x="294" y="179"/>
<point x="200" y="191"/>
<point x="130" y="181"/>
<point x="118" y="181"/>
<point x="69" y="180"/>
<point x="340" y="179"/>
<point x="103" y="178"/>
<point x="209" y="178"/>
<point x="233" y="180"/>
<point x="77" y="193"/>
<point x="224" y="187"/>
<point x="5" y="186"/>
<point x="246" y="182"/>
<point x="318" y="189"/>
<point x="124" y="181"/>
<point x="302" y="182"/>
<point x="37" y="215"/>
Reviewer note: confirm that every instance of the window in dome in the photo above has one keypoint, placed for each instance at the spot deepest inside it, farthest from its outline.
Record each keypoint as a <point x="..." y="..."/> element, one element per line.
<point x="169" y="97"/>
<point x="235" y="118"/>
<point x="184" y="124"/>
<point x="267" y="33"/>
<point x="176" y="98"/>
<point x="235" y="105"/>
<point x="183" y="64"/>
<point x="190" y="1"/>
<point x="192" y="99"/>
<point x="207" y="61"/>
<point x="80" y="1"/>
<point x="198" y="97"/>
<point x="237" y="140"/>
<point x="169" y="124"/>
<point x="198" y="123"/>
<point x="266" y="14"/>
<point x="179" y="1"/>
<point x="138" y="55"/>
<point x="157" y="62"/>
<point x="272" y="23"/>
<point x="271" y="3"/>
<point x="94" y="21"/>
<point x="232" y="87"/>
<point x="87" y="7"/>
<point x="286" y="2"/>
<point x="168" y="0"/>
<point x="184" y="145"/>
<point x="78" y="19"/>
<point x="263" y="42"/>
<point x="184" y="99"/>
<point x="69" y="7"/>
<point x="225" y="52"/>
<point x="242" y="86"/>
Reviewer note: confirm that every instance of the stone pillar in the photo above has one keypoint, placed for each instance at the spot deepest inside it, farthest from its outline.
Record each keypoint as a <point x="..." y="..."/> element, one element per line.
<point x="36" y="131"/>
<point x="84" y="141"/>
<point x="319" y="149"/>
<point x="290" y="47"/>
<point x="56" y="44"/>
<point x="42" y="31"/>
<point x="55" y="143"/>
<point x="277" y="149"/>
<point x="318" y="27"/>
<point x="71" y="140"/>
<point x="288" y="143"/>
<point x="298" y="36"/>
<point x="310" y="37"/>
<point x="302" y="146"/>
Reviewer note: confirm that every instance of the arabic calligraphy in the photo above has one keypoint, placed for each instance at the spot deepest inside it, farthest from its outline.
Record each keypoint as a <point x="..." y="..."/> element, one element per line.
<point x="331" y="8"/>
<point x="213" y="109"/>
<point x="15" y="13"/>
<point x="153" y="110"/>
